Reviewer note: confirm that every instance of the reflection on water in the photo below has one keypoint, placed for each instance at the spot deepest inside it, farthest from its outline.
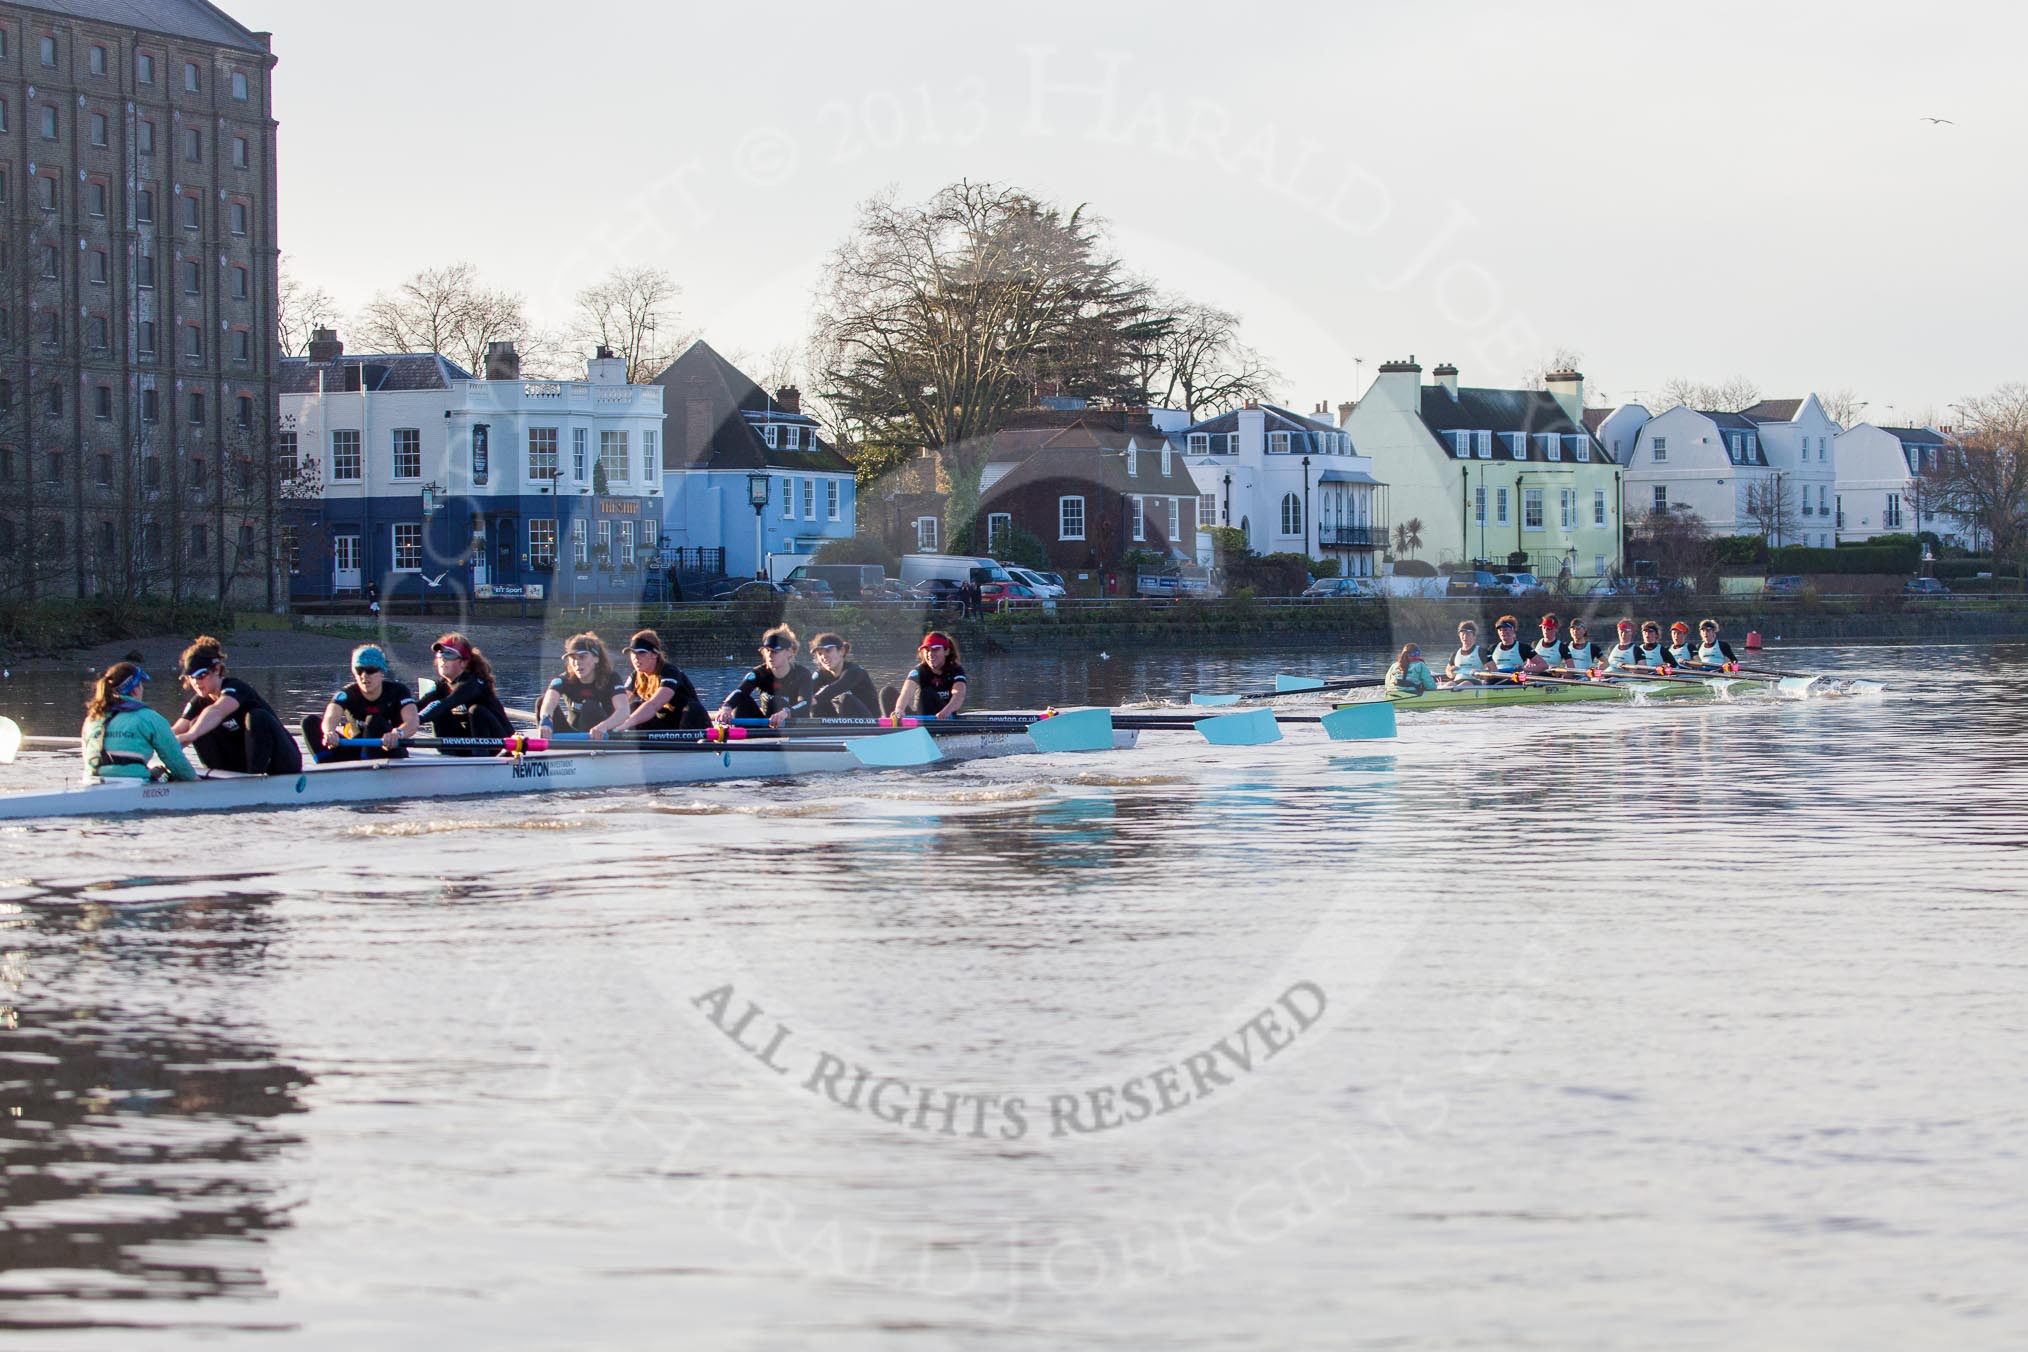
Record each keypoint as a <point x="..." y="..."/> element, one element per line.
<point x="139" y="1128"/>
<point x="1696" y="1021"/>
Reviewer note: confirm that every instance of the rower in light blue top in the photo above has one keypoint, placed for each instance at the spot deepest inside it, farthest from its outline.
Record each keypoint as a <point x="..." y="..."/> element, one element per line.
<point x="121" y="734"/>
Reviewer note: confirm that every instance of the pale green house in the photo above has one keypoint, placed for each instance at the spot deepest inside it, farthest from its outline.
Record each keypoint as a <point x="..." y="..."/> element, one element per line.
<point x="1492" y="474"/>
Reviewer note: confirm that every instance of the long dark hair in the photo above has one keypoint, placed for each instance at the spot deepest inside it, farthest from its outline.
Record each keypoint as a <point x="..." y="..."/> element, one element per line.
<point x="106" y="696"/>
<point x="475" y="661"/>
<point x="1404" y="661"/>
<point x="643" y="684"/>
<point x="602" y="677"/>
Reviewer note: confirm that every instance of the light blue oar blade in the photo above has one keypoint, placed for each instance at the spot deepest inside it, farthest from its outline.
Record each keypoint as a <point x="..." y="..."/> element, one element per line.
<point x="1079" y="730"/>
<point x="1360" y="722"/>
<point x="1285" y="684"/>
<point x="10" y="740"/>
<point x="1216" y="699"/>
<point x="914" y="747"/>
<point x="1252" y="728"/>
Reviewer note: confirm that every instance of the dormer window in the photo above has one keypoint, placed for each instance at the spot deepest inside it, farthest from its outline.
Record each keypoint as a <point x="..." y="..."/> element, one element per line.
<point x="1133" y="463"/>
<point x="1200" y="443"/>
<point x="1552" y="446"/>
<point x="795" y="438"/>
<point x="1232" y="443"/>
<point x="1165" y="462"/>
<point x="1580" y="449"/>
<point x="1485" y="444"/>
<point x="768" y="434"/>
<point x="1752" y="447"/>
<point x="1278" y="443"/>
<point x="1737" y="446"/>
<point x="1517" y="445"/>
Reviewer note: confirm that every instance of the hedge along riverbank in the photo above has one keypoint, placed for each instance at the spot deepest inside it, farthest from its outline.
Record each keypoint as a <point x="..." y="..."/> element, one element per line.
<point x="890" y="633"/>
<point x="46" y="628"/>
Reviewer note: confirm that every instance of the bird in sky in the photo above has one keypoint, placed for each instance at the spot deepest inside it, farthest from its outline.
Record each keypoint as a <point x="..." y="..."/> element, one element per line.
<point x="1943" y="120"/>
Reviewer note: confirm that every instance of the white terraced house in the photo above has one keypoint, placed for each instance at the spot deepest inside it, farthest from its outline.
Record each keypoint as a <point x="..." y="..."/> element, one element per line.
<point x="1714" y="463"/>
<point x="1880" y="486"/>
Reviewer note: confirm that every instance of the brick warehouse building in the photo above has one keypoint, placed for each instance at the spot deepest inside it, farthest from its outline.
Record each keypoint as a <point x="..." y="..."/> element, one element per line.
<point x="137" y="301"/>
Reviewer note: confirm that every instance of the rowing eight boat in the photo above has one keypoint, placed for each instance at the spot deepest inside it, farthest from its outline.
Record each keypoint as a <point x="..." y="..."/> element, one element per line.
<point x="427" y="777"/>
<point x="1507" y="693"/>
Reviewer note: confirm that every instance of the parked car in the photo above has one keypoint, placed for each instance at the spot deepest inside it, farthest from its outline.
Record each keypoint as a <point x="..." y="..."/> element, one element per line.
<point x="811" y="589"/>
<point x="887" y="589"/>
<point x="1473" y="582"/>
<point x="1925" y="586"/>
<point x="1520" y="584"/>
<point x="939" y="592"/>
<point x="1342" y="586"/>
<point x="1055" y="580"/>
<point x="1041" y="584"/>
<point x="1787" y="585"/>
<point x="753" y="591"/>
<point x="995" y="596"/>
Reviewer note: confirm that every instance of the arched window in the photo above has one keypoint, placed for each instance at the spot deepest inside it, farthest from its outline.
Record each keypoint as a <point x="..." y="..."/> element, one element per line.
<point x="1246" y="531"/>
<point x="1292" y="514"/>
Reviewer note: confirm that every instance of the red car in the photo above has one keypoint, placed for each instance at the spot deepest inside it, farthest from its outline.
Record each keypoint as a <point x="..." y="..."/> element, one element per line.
<point x="1009" y="596"/>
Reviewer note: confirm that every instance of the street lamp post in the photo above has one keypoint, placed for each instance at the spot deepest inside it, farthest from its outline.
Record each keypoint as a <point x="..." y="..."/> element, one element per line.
<point x="757" y="493"/>
<point x="1306" y="508"/>
<point x="1228" y="499"/>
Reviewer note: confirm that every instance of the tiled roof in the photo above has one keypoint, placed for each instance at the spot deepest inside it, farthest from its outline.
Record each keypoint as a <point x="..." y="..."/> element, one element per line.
<point x="1917" y="436"/>
<point x="395" y="371"/>
<point x="1278" y="419"/>
<point x="731" y="441"/>
<point x="1594" y="418"/>
<point x="1096" y="466"/>
<point x="1773" y="410"/>
<point x="1732" y="422"/>
<point x="177" y="18"/>
<point x="1476" y="409"/>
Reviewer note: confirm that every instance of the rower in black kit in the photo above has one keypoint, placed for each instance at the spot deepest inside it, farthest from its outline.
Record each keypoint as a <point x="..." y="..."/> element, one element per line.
<point x="227" y="723"/>
<point x="776" y="689"/>
<point x="464" y="704"/>
<point x="841" y="688"/>
<point x="374" y="705"/>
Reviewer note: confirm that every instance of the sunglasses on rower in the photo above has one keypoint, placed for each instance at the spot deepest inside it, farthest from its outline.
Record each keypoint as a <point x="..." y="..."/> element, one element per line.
<point x="369" y="671"/>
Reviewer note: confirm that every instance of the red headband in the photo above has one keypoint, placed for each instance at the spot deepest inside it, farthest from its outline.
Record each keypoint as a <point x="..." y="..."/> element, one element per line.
<point x="938" y="638"/>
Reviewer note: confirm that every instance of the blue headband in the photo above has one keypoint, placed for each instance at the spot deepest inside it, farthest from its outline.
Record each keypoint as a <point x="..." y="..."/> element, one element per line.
<point x="135" y="682"/>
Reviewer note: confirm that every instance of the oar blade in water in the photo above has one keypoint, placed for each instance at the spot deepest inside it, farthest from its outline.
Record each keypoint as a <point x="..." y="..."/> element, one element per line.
<point x="1255" y="727"/>
<point x="10" y="740"/>
<point x="894" y="749"/>
<point x="1360" y="722"/>
<point x="1201" y="698"/>
<point x="1286" y="684"/>
<point x="1797" y="687"/>
<point x="1078" y="730"/>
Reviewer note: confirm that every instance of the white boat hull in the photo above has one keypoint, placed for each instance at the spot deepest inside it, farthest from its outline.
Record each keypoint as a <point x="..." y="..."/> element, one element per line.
<point x="425" y="777"/>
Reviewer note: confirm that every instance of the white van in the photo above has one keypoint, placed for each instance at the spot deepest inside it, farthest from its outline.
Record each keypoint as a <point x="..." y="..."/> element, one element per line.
<point x="956" y="569"/>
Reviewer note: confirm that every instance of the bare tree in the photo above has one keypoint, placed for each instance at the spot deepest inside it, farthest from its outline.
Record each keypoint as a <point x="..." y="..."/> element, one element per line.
<point x="1562" y="359"/>
<point x="1193" y="360"/>
<point x="936" y="321"/>
<point x="1676" y="541"/>
<point x="633" y="312"/>
<point x="1983" y="480"/>
<point x="300" y="310"/>
<point x="448" y="311"/>
<point x="1770" y="505"/>
<point x="1843" y="406"/>
<point x="1725" y="396"/>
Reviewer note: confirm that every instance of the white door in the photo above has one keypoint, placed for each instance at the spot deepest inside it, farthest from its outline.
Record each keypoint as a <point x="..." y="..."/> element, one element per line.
<point x="345" y="562"/>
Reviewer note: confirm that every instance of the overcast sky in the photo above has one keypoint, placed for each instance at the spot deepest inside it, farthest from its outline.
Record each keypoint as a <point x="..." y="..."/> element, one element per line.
<point x="1696" y="190"/>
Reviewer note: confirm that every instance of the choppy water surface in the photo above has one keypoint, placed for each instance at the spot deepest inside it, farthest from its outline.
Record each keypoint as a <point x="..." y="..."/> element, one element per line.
<point x="1583" y="1027"/>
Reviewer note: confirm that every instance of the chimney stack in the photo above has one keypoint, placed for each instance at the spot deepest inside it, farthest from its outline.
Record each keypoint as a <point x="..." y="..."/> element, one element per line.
<point x="790" y="399"/>
<point x="324" y="346"/>
<point x="502" y="362"/>
<point x="606" y="369"/>
<point x="1566" y="387"/>
<point x="1446" y="375"/>
<point x="1345" y="408"/>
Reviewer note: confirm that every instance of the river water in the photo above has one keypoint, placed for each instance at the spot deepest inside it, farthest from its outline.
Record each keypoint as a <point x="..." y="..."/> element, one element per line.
<point x="1596" y="1026"/>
